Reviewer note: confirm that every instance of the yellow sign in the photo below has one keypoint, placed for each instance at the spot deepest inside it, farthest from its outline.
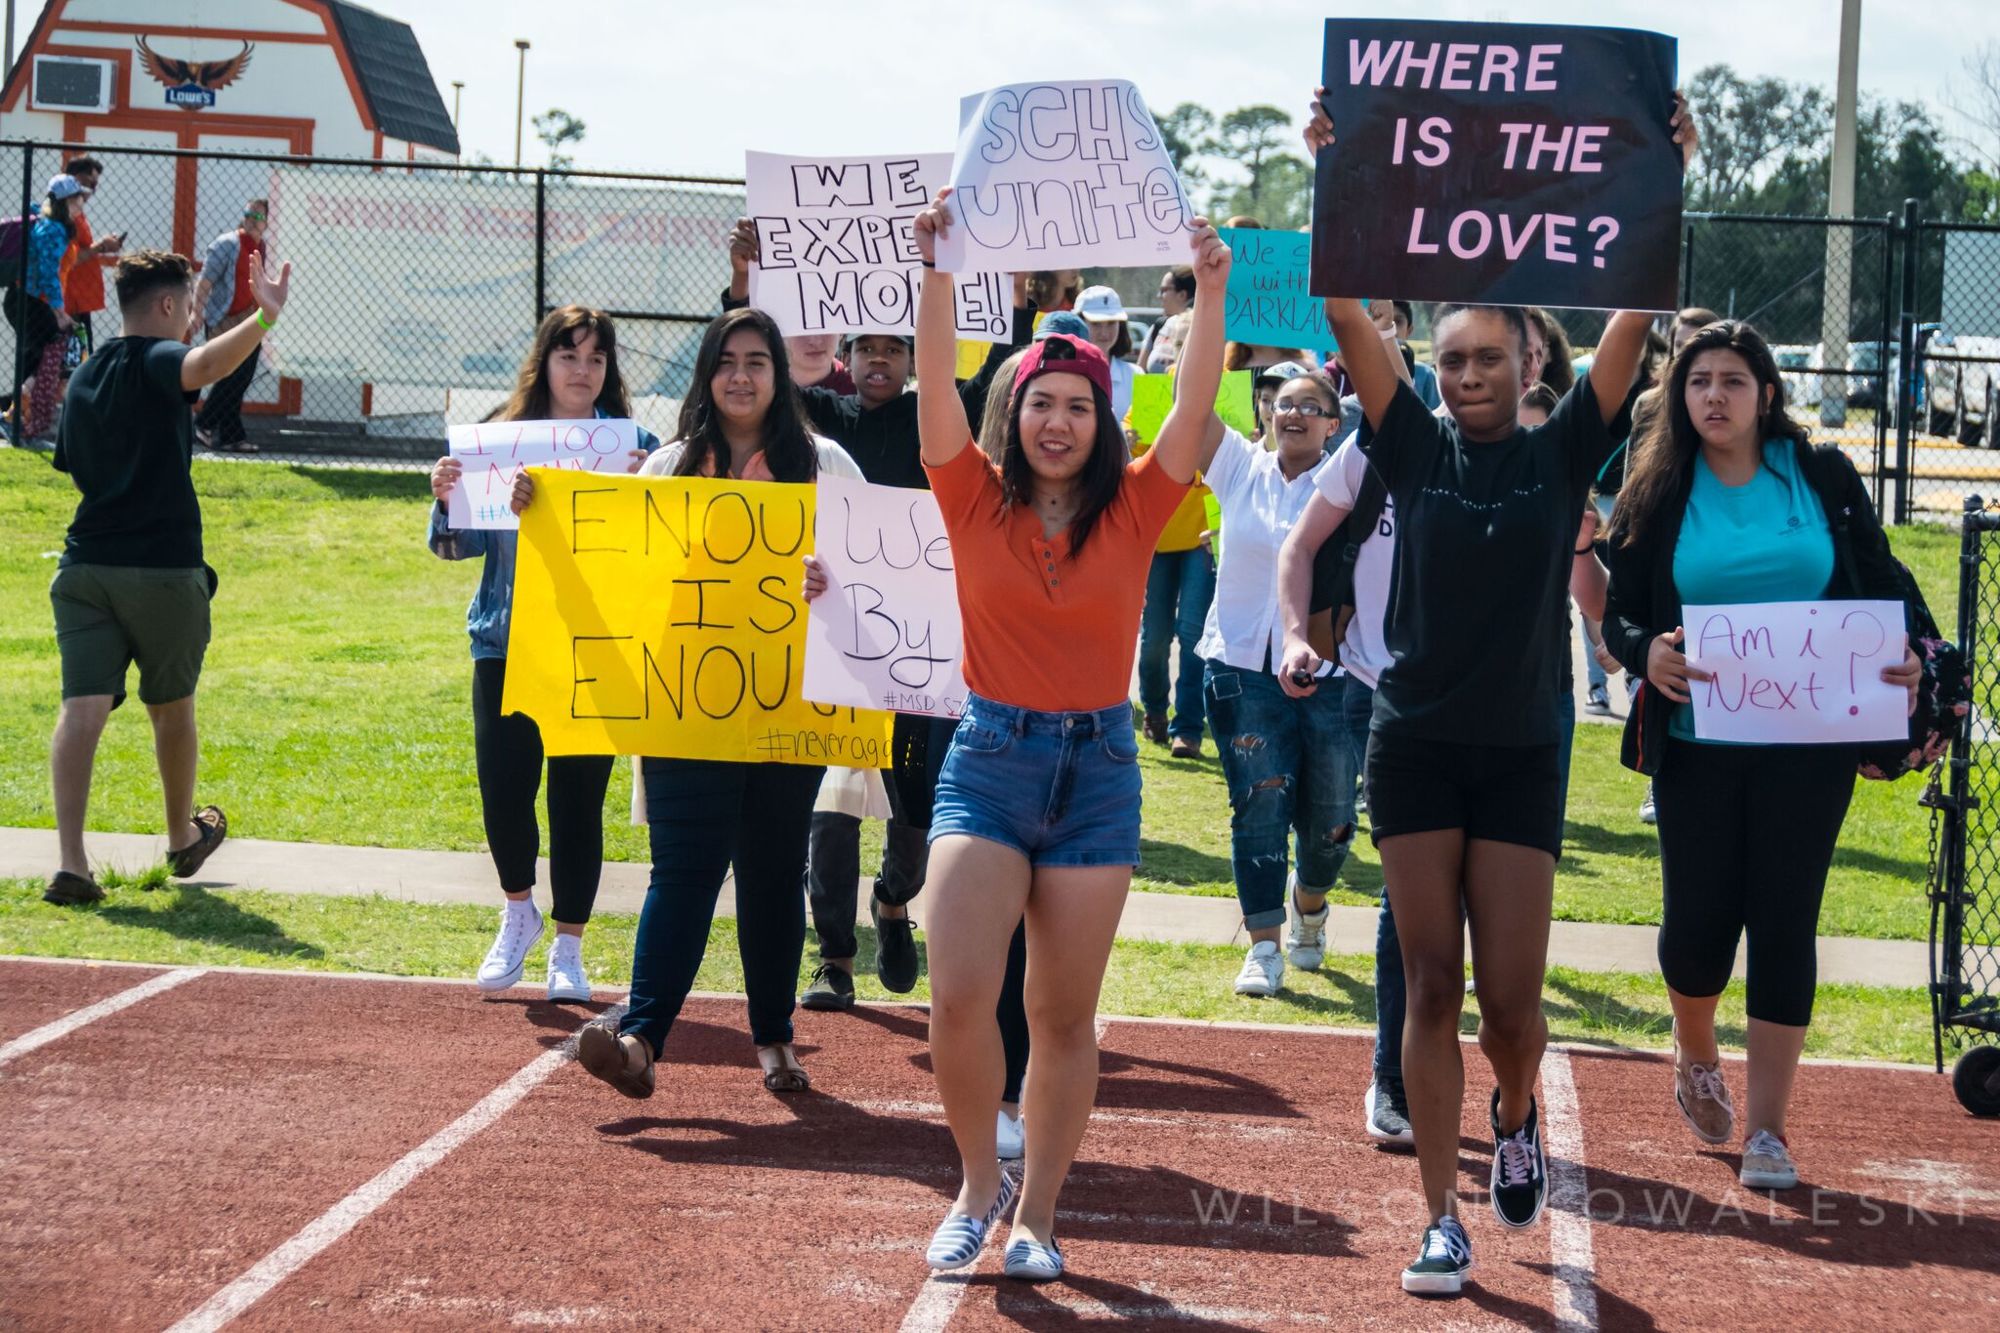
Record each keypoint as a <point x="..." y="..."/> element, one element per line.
<point x="661" y="616"/>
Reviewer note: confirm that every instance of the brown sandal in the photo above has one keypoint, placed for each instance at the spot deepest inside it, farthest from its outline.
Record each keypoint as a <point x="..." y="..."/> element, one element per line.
<point x="69" y="889"/>
<point x="787" y="1075"/>
<point x="601" y="1052"/>
<point x="214" y="826"/>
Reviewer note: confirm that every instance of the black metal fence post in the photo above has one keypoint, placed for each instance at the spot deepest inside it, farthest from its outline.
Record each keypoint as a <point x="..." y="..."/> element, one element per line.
<point x="1884" y="363"/>
<point x="21" y="293"/>
<point x="541" y="247"/>
<point x="1687" y="266"/>
<point x="1906" y="393"/>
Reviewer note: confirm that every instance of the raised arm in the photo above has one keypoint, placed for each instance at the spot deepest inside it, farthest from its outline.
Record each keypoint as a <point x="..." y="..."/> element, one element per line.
<point x="1616" y="363"/>
<point x="1587" y="576"/>
<point x="1191" y="422"/>
<point x="1371" y="363"/>
<point x="206" y="364"/>
<point x="942" y="427"/>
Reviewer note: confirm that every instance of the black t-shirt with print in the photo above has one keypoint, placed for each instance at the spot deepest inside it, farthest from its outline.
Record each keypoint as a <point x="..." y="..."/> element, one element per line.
<point x="127" y="439"/>
<point x="1485" y="535"/>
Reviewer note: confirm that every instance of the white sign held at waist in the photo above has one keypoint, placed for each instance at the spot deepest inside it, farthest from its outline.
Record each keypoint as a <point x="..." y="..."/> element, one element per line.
<point x="1797" y="672"/>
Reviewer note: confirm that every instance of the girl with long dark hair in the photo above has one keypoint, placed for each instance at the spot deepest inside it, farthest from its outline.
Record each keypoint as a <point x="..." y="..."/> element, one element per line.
<point x="741" y="419"/>
<point x="570" y="373"/>
<point x="1037" y="809"/>
<point x="1725" y="501"/>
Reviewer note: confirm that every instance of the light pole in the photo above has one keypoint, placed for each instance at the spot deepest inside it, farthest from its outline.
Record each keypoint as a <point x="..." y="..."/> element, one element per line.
<point x="520" y="95"/>
<point x="1834" y="314"/>
<point x="457" y="91"/>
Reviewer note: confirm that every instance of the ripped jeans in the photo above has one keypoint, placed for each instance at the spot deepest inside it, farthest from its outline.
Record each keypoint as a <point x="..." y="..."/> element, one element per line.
<point x="1290" y="771"/>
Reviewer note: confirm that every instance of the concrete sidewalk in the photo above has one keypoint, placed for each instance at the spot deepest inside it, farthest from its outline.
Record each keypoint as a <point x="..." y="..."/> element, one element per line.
<point x="467" y="877"/>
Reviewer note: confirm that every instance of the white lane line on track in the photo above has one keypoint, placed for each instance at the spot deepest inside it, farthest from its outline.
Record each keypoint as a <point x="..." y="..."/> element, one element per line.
<point x="257" y="1281"/>
<point x="937" y="1301"/>
<point x="90" y="1013"/>
<point x="1573" y="1260"/>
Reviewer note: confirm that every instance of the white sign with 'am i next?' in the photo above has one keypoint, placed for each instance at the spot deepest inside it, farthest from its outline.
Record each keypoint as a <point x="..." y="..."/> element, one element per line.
<point x="1797" y="672"/>
<point x="493" y="453"/>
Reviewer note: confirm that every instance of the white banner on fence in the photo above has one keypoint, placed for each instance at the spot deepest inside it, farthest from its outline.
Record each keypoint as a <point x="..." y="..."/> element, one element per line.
<point x="885" y="633"/>
<point x="1792" y="672"/>
<point x="838" y="253"/>
<point x="1063" y="175"/>
<point x="494" y="452"/>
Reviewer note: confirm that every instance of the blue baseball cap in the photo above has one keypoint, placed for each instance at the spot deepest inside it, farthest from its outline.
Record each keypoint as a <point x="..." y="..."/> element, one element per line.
<point x="1062" y="321"/>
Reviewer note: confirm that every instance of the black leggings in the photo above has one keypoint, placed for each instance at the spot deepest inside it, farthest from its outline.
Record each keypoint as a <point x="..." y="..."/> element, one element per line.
<point x="508" y="751"/>
<point x="1747" y="833"/>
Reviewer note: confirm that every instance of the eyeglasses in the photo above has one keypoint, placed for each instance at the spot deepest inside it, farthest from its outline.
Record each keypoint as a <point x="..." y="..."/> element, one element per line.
<point x="253" y="217"/>
<point x="1304" y="409"/>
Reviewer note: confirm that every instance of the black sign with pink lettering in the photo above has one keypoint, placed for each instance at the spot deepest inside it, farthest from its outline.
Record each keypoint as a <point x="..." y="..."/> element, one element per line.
<point x="1508" y="163"/>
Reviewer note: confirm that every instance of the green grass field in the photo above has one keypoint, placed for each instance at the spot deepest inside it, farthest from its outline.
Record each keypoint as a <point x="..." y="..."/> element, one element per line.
<point x="334" y="707"/>
<point x="184" y="925"/>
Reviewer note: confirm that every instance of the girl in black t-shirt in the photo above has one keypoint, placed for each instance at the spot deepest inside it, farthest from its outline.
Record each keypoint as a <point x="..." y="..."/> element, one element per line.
<point x="1464" y="784"/>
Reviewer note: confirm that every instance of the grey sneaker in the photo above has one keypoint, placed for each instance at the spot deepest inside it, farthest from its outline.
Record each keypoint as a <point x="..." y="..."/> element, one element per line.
<point x="1767" y="1163"/>
<point x="1388" y="1111"/>
<point x="1648" y="813"/>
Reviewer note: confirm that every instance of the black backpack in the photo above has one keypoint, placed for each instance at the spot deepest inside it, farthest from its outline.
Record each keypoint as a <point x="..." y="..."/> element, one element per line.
<point x="1944" y="695"/>
<point x="1333" y="564"/>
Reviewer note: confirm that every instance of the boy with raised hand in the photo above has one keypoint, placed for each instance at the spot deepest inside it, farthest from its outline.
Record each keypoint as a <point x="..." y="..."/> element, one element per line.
<point x="132" y="585"/>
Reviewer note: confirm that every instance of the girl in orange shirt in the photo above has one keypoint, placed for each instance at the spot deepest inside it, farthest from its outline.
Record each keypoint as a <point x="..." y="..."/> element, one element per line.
<point x="1038" y="805"/>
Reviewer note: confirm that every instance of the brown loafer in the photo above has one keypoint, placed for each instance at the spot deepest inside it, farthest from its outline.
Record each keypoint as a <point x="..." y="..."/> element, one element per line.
<point x="214" y="826"/>
<point x="601" y="1052"/>
<point x="1183" y="748"/>
<point x="67" y="889"/>
<point x="1155" y="728"/>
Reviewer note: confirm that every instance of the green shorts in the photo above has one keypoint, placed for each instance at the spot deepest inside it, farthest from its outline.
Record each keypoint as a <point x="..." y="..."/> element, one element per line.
<point x="110" y="616"/>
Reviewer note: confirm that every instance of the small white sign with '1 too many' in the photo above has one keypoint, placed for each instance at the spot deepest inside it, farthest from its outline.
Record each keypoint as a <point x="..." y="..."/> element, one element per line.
<point x="494" y="452"/>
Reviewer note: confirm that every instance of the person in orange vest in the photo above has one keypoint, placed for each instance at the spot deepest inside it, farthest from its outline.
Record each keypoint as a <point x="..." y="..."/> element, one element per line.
<point x="224" y="298"/>
<point x="83" y="277"/>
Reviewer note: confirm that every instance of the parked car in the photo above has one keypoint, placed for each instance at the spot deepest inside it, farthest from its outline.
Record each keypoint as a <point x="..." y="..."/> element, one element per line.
<point x="1964" y="396"/>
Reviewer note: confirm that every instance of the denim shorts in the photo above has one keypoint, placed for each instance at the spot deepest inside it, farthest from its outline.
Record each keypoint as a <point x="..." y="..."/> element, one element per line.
<point x="1062" y="789"/>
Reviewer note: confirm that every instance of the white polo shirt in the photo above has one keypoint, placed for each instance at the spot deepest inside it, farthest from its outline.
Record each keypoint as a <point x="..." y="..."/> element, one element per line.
<point x="1259" y="509"/>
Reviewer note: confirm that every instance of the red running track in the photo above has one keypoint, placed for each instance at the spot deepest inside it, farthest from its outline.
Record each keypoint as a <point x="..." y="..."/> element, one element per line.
<point x="243" y="1149"/>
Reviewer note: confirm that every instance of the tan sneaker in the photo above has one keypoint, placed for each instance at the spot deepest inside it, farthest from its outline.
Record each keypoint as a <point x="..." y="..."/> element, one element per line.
<point x="1704" y="1100"/>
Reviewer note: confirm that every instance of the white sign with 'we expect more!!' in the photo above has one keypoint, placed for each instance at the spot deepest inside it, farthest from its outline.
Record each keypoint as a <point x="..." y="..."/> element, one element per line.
<point x="1797" y="672"/>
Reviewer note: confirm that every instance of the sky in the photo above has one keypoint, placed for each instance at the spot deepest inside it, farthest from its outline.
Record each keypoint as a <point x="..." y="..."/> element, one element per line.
<point x="687" y="86"/>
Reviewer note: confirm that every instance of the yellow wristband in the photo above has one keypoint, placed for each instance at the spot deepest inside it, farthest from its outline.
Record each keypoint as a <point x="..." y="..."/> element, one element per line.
<point x="261" y="321"/>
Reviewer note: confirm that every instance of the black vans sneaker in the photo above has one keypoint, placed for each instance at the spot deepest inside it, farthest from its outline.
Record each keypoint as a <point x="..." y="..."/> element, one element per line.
<point x="1442" y="1261"/>
<point x="1520" y="1181"/>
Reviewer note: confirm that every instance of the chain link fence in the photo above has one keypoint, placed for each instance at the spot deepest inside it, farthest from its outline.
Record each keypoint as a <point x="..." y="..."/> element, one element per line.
<point x="1964" y="798"/>
<point x="419" y="285"/>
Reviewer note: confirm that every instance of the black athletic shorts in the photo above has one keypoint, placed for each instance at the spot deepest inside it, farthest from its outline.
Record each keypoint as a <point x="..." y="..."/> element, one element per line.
<point x="1502" y="793"/>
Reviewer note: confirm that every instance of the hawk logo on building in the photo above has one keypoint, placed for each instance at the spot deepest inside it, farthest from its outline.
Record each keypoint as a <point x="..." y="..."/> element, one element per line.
<point x="193" y="83"/>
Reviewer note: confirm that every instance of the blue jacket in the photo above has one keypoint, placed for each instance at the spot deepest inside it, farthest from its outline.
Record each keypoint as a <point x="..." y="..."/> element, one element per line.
<point x="46" y="243"/>
<point x="491" y="614"/>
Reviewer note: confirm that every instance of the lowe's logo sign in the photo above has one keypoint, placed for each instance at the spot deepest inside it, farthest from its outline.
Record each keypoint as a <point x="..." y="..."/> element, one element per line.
<point x="190" y="94"/>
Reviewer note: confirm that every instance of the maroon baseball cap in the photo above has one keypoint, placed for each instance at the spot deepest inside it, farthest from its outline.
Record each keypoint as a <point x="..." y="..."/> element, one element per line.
<point x="1065" y="353"/>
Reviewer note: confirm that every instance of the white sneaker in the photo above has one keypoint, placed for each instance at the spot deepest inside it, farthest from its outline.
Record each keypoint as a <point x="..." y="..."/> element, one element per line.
<point x="1305" y="933"/>
<point x="1011" y="1136"/>
<point x="1649" y="813"/>
<point x="567" y="979"/>
<point x="1263" y="969"/>
<point x="520" y="927"/>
